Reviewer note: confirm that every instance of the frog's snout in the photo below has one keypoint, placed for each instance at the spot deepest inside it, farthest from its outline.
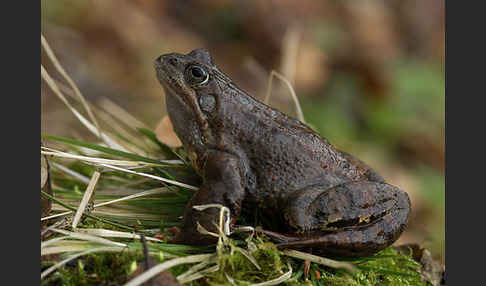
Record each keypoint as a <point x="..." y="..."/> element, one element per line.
<point x="171" y="60"/>
<point x="158" y="61"/>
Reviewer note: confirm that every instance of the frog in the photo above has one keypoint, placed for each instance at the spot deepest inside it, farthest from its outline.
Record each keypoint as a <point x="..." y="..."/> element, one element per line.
<point x="253" y="157"/>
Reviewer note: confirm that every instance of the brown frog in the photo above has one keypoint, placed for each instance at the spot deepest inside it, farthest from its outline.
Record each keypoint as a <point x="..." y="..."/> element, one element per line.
<point x="254" y="157"/>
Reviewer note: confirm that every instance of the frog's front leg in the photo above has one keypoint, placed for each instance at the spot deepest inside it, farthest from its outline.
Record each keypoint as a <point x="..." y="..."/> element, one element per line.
<point x="351" y="219"/>
<point x="222" y="185"/>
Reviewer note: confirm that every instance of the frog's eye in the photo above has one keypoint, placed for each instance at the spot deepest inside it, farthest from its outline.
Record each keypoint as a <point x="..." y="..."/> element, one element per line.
<point x="196" y="75"/>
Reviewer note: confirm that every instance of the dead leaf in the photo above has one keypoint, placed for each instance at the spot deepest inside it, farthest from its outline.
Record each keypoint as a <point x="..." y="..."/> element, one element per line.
<point x="432" y="271"/>
<point x="44" y="171"/>
<point x="165" y="133"/>
<point x="312" y="67"/>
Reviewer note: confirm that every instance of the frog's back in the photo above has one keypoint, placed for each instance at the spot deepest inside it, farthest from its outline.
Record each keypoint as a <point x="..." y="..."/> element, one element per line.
<point x="283" y="154"/>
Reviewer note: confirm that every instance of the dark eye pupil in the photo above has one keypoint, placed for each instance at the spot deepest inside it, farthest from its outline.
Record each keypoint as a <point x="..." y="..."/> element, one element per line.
<point x="196" y="75"/>
<point x="197" y="72"/>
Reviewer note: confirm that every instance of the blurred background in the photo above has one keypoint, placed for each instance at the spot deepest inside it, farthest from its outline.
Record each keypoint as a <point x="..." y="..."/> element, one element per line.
<point x="369" y="74"/>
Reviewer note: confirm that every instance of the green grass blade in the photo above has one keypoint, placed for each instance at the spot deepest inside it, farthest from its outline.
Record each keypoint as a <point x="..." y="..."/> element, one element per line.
<point x="151" y="135"/>
<point x="102" y="149"/>
<point x="169" y="152"/>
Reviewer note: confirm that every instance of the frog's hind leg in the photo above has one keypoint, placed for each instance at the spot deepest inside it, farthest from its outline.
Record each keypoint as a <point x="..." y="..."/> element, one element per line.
<point x="352" y="219"/>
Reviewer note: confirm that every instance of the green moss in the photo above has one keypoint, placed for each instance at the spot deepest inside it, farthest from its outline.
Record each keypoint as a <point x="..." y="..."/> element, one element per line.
<point x="95" y="269"/>
<point x="387" y="267"/>
<point x="240" y="268"/>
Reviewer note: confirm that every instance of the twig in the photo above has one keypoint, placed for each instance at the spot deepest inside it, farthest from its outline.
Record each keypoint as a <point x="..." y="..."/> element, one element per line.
<point x="88" y="194"/>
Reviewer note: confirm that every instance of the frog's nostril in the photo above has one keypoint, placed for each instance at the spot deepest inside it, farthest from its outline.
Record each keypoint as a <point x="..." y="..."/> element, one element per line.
<point x="173" y="62"/>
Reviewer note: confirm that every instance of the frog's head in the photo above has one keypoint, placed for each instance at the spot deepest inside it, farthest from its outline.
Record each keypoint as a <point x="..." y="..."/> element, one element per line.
<point x="192" y="85"/>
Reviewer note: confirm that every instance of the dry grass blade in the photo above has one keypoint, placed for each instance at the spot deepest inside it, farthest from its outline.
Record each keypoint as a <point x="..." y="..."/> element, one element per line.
<point x="223" y="227"/>
<point x="320" y="260"/>
<point x="151" y="176"/>
<point x="137" y="144"/>
<point x="137" y="195"/>
<point x="248" y="256"/>
<point x="61" y="70"/>
<point x="223" y="223"/>
<point x="111" y="120"/>
<point x="50" y="82"/>
<point x="199" y="275"/>
<point x="88" y="194"/>
<point x="62" y="249"/>
<point x="112" y="233"/>
<point x="121" y="114"/>
<point x="71" y="173"/>
<point x="45" y="244"/>
<point x="166" y="265"/>
<point x="196" y="269"/>
<point x="88" y="237"/>
<point x="300" y="114"/>
<point x="290" y="45"/>
<point x="96" y="160"/>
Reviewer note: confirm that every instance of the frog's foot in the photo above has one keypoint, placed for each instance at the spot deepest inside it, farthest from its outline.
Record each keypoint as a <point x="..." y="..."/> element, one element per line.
<point x="352" y="219"/>
<point x="222" y="186"/>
